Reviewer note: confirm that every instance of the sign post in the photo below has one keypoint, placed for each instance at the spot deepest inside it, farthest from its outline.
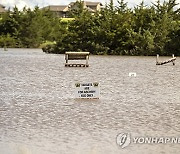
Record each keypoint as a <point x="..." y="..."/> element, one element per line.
<point x="87" y="90"/>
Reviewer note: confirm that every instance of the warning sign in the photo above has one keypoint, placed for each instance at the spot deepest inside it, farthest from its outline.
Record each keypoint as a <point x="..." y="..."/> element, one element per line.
<point x="87" y="90"/>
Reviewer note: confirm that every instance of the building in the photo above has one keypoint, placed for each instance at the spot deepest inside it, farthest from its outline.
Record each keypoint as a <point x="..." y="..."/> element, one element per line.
<point x="63" y="10"/>
<point x="2" y="9"/>
<point x="90" y="6"/>
<point x="58" y="10"/>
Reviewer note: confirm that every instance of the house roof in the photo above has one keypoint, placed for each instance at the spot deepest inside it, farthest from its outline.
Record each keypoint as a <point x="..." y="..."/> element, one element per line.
<point x="2" y="6"/>
<point x="90" y="10"/>
<point x="92" y="3"/>
<point x="63" y="8"/>
<point x="88" y="3"/>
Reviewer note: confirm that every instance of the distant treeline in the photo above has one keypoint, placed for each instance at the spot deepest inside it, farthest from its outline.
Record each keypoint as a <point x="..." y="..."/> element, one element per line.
<point x="144" y="30"/>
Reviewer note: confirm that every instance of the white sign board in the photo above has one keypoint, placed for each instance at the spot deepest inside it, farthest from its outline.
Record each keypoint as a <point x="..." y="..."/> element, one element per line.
<point x="133" y="74"/>
<point x="87" y="90"/>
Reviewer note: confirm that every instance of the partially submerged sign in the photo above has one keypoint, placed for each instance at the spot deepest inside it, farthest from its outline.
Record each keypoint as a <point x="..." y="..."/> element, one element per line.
<point x="132" y="74"/>
<point x="87" y="90"/>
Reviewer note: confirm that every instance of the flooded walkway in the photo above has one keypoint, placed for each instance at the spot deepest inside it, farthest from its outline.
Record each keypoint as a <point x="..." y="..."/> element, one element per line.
<point x="39" y="115"/>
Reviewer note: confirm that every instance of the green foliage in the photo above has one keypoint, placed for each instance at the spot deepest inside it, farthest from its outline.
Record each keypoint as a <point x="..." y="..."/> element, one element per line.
<point x="29" y="27"/>
<point x="6" y="41"/>
<point x="144" y="30"/>
<point x="122" y="31"/>
<point x="50" y="48"/>
<point x="172" y="46"/>
<point x="78" y="9"/>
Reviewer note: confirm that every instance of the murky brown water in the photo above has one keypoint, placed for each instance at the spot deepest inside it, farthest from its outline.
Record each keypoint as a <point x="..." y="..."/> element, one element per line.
<point x="39" y="115"/>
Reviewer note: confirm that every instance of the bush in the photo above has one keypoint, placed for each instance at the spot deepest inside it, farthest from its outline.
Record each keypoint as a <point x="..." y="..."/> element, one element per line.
<point x="7" y="41"/>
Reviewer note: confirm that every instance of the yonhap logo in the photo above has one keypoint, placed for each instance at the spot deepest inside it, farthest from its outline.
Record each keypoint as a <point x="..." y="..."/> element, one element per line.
<point x="123" y="140"/>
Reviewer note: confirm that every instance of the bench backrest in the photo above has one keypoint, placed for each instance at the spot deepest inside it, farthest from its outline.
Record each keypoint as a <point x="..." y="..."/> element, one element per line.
<point x="76" y="55"/>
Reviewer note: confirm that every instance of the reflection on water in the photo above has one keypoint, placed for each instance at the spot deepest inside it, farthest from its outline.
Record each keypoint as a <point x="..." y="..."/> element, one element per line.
<point x="39" y="115"/>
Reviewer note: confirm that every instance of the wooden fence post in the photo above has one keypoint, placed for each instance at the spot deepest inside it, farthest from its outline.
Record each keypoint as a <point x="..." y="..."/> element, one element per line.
<point x="157" y="59"/>
<point x="174" y="60"/>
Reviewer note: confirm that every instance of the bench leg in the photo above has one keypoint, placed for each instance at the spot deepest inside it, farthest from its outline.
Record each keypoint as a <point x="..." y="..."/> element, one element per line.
<point x="66" y="58"/>
<point x="86" y="60"/>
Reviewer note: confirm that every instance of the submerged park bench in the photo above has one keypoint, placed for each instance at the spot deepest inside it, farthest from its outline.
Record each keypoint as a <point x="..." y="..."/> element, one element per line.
<point x="166" y="61"/>
<point x="76" y="56"/>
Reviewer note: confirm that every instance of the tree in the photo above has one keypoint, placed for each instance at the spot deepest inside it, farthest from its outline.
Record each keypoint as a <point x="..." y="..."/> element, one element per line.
<point x="6" y="41"/>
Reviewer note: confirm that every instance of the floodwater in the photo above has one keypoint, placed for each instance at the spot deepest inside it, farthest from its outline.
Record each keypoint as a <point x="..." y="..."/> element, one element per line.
<point x="39" y="114"/>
